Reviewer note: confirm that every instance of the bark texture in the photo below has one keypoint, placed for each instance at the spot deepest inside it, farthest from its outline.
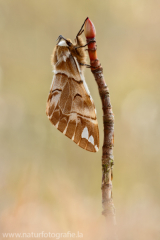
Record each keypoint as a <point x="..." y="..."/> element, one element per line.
<point x="108" y="123"/>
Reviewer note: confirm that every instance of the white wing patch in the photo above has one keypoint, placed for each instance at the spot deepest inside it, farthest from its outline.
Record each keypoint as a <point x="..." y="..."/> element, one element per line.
<point x="91" y="139"/>
<point x="57" y="124"/>
<point x="96" y="148"/>
<point x="85" y="133"/>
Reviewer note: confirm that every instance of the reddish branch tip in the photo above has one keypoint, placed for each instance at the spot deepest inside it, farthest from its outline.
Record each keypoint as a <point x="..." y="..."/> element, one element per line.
<point x="90" y="33"/>
<point x="89" y="29"/>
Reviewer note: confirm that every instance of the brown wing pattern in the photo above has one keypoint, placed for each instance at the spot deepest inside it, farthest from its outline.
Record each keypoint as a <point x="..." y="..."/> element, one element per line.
<point x="72" y="112"/>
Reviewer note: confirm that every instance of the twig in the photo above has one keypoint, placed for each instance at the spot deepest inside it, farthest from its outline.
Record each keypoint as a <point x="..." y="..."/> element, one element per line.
<point x="108" y="122"/>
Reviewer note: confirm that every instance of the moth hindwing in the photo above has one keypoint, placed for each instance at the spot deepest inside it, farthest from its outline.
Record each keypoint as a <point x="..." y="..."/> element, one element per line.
<point x="70" y="107"/>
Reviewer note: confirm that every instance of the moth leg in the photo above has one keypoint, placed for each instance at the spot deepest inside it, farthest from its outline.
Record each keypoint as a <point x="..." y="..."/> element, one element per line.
<point x="87" y="65"/>
<point x="86" y="44"/>
<point x="81" y="29"/>
<point x="91" y="49"/>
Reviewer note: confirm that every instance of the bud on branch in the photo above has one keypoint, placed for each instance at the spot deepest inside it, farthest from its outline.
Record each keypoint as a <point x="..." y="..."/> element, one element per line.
<point x="89" y="29"/>
<point x="90" y="33"/>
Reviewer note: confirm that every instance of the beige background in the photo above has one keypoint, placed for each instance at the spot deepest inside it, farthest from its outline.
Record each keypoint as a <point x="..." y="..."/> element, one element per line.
<point x="47" y="183"/>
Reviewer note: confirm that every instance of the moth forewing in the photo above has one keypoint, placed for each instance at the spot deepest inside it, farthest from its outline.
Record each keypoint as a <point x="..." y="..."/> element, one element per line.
<point x="70" y="106"/>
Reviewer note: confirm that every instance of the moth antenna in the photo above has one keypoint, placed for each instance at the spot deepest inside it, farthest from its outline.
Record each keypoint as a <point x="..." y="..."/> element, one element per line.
<point x="60" y="38"/>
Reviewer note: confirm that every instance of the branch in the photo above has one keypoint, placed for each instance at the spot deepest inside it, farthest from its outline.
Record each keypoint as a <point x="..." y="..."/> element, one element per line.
<point x="108" y="122"/>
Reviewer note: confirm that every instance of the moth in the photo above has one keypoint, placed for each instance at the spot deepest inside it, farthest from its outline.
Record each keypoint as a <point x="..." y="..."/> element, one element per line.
<point x="70" y="107"/>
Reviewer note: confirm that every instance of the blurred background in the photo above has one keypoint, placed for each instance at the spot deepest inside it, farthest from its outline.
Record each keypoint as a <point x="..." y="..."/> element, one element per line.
<point x="47" y="182"/>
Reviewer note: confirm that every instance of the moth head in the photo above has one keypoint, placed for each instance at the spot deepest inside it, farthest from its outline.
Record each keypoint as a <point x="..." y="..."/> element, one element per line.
<point x="64" y="48"/>
<point x="64" y="42"/>
<point x="61" y="51"/>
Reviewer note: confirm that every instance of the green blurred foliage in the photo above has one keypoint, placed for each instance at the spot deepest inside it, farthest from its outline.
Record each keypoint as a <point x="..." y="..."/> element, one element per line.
<point x="48" y="183"/>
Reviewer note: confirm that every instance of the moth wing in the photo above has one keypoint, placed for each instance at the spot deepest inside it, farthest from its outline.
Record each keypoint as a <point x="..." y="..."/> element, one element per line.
<point x="71" y="110"/>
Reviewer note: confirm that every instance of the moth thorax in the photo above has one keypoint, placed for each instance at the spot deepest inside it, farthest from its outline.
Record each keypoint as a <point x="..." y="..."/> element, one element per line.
<point x="62" y="53"/>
